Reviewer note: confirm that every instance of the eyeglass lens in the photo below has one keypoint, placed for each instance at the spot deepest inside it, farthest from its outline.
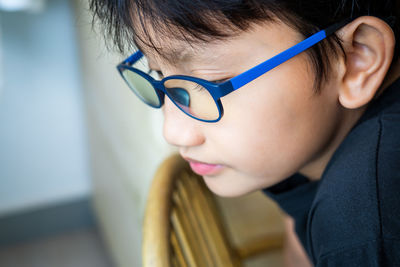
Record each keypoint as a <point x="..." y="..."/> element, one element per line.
<point x="189" y="96"/>
<point x="192" y="98"/>
<point x="141" y="87"/>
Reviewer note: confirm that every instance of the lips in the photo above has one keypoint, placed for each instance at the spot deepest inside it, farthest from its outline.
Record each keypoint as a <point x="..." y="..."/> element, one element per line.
<point x="202" y="168"/>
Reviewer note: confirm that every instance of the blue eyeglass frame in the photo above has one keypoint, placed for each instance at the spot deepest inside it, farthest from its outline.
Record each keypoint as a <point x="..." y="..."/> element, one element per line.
<point x="219" y="90"/>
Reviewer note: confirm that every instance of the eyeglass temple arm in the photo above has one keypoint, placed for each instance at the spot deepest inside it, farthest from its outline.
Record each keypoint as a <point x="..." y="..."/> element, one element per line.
<point x="132" y="59"/>
<point x="273" y="62"/>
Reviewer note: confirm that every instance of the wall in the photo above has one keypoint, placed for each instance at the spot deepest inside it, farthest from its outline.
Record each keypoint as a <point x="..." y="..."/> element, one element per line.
<point x="43" y="144"/>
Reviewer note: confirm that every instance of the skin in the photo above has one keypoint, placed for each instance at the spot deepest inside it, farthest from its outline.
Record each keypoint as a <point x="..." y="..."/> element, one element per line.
<point x="277" y="125"/>
<point x="273" y="134"/>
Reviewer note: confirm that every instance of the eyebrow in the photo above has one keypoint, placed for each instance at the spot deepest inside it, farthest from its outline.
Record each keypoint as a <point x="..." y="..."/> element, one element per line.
<point x="172" y="55"/>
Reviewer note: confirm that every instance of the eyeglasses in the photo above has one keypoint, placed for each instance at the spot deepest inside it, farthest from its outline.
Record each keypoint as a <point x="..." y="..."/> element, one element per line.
<point x="199" y="98"/>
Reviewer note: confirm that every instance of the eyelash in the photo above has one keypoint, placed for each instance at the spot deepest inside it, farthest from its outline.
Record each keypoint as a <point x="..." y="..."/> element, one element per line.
<point x="220" y="81"/>
<point x="159" y="73"/>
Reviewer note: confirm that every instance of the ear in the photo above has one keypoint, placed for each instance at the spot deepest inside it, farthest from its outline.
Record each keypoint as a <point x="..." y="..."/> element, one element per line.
<point x="368" y="44"/>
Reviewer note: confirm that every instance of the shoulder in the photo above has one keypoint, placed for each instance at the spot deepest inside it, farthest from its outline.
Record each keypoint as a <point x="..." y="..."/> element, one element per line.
<point x="358" y="200"/>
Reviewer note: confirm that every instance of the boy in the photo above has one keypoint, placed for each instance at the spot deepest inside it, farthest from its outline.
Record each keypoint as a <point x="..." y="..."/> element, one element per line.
<point x="298" y="98"/>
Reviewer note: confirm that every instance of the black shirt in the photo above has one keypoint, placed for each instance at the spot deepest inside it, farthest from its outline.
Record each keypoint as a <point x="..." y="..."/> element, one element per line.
<point x="351" y="216"/>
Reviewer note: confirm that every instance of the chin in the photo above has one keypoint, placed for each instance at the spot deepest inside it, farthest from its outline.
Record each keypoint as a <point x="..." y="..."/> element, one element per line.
<point x="224" y="190"/>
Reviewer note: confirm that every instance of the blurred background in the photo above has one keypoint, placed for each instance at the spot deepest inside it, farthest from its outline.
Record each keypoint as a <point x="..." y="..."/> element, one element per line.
<point x="77" y="149"/>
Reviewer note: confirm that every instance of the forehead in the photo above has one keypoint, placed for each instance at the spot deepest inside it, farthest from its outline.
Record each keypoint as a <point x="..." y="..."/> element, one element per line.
<point x="167" y="50"/>
<point x="171" y="44"/>
<point x="170" y="50"/>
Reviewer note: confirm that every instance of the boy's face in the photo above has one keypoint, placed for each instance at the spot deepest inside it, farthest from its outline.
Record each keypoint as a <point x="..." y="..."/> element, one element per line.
<point x="271" y="128"/>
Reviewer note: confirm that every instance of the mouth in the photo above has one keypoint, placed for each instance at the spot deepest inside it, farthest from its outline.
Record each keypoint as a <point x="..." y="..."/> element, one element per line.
<point x="202" y="168"/>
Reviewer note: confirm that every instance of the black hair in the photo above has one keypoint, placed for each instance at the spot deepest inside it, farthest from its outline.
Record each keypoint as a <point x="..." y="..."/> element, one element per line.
<point x="207" y="20"/>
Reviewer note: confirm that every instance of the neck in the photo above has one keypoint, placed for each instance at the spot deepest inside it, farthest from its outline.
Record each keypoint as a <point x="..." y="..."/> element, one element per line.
<point x="391" y="77"/>
<point x="315" y="169"/>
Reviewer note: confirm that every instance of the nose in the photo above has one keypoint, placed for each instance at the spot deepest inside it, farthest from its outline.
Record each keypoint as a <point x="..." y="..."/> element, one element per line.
<point x="179" y="129"/>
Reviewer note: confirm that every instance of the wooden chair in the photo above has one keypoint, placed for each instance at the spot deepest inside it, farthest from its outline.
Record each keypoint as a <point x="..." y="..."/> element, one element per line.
<point x="183" y="225"/>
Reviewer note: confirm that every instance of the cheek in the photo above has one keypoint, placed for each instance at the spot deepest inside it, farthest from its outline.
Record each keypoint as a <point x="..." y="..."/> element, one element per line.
<point x="280" y="122"/>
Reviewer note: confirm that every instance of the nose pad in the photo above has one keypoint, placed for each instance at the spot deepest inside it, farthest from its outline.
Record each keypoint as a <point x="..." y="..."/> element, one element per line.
<point x="161" y="96"/>
<point x="159" y="91"/>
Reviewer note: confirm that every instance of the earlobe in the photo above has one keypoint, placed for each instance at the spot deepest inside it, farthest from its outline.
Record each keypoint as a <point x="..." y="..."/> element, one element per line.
<point x="368" y="43"/>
